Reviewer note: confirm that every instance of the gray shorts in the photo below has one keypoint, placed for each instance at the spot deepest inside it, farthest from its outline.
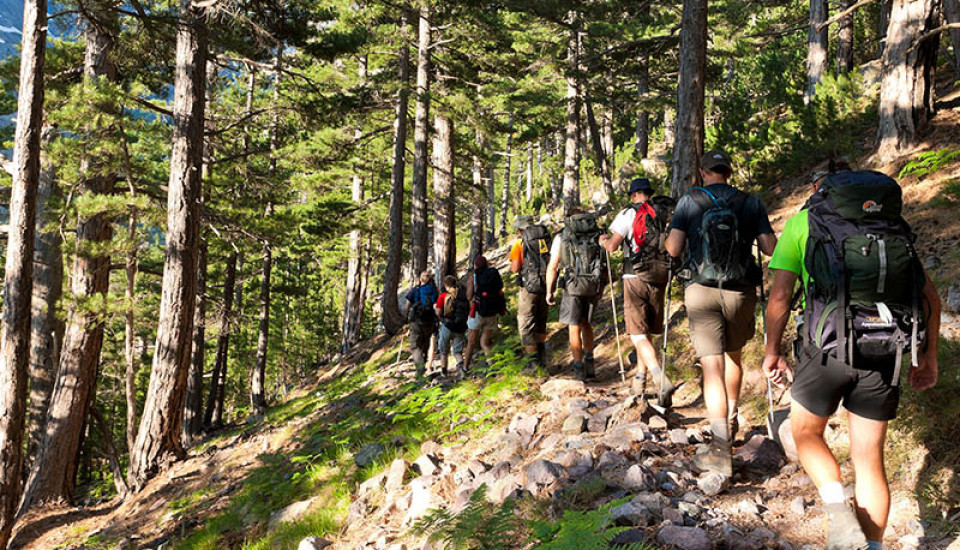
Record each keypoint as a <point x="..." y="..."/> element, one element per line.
<point x="577" y="310"/>
<point x="447" y="339"/>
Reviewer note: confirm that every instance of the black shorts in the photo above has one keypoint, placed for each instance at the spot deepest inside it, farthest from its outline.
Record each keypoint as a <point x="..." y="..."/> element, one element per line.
<point x="577" y="310"/>
<point x="821" y="384"/>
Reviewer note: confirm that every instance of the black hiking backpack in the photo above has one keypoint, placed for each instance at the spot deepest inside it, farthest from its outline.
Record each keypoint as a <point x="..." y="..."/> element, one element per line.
<point x="536" y="256"/>
<point x="488" y="292"/>
<point x="865" y="277"/>
<point x="456" y="311"/>
<point x="647" y="252"/>
<point x="583" y="260"/>
<point x="721" y="250"/>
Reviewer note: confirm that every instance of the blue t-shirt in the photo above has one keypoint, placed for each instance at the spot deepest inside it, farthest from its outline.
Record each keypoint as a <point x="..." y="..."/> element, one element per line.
<point x="753" y="221"/>
<point x="426" y="295"/>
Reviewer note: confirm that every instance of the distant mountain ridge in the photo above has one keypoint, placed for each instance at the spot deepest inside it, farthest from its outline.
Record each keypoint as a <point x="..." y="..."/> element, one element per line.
<point x="11" y="22"/>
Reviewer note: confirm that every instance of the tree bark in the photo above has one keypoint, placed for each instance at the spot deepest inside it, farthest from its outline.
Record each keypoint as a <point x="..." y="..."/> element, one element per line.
<point x="158" y="438"/>
<point x="491" y="207"/>
<point x="600" y="155"/>
<point x="18" y="271"/>
<point x="505" y="190"/>
<point x="110" y="451"/>
<point x="444" y="227"/>
<point x="52" y="476"/>
<point x="47" y="327"/>
<point x="477" y="206"/>
<point x="571" y="150"/>
<point x="688" y="145"/>
<point x="421" y="131"/>
<point x="392" y="318"/>
<point x="906" y="89"/>
<point x="951" y="13"/>
<point x="884" y="24"/>
<point x="845" y="42"/>
<point x="213" y="414"/>
<point x="817" y="44"/>
<point x="528" y="174"/>
<point x="353" y="299"/>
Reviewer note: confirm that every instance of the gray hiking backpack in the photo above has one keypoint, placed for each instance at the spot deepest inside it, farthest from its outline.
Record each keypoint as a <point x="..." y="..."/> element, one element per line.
<point x="583" y="260"/>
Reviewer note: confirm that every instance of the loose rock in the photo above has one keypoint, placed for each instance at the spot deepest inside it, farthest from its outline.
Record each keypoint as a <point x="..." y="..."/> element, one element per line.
<point x="712" y="484"/>
<point x="798" y="506"/>
<point x="761" y="455"/>
<point x="524" y="424"/>
<point x="426" y="465"/>
<point x="639" y="478"/>
<point x="368" y="454"/>
<point x="688" y="538"/>
<point x="679" y="436"/>
<point x="292" y="512"/>
<point x="562" y="387"/>
<point x="397" y="475"/>
<point x="542" y="472"/>
<point x="313" y="543"/>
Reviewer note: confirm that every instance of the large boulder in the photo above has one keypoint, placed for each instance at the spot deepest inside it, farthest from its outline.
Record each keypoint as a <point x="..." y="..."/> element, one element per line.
<point x="761" y="455"/>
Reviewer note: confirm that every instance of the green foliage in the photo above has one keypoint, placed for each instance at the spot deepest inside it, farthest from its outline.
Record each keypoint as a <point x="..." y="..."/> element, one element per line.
<point x="929" y="162"/>
<point x="481" y="525"/>
<point x="582" y="530"/>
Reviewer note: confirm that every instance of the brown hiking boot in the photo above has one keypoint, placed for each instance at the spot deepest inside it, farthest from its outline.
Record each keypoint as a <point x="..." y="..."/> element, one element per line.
<point x="716" y="457"/>
<point x="843" y="529"/>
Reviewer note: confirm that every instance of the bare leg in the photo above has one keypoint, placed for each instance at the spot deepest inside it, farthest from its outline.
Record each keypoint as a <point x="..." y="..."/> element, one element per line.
<point x="576" y="346"/>
<point x="814" y="454"/>
<point x="586" y="334"/>
<point x="472" y="338"/>
<point x="486" y="340"/>
<point x="714" y="387"/>
<point x="872" y="491"/>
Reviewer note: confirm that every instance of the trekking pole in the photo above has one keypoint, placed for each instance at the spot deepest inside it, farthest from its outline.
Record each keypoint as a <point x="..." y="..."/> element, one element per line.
<point x="763" y="325"/>
<point x="616" y="322"/>
<point x="400" y="349"/>
<point x="666" y="331"/>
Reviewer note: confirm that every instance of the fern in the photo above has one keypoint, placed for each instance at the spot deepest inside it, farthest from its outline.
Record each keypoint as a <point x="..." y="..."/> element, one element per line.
<point x="480" y="526"/>
<point x="929" y="162"/>
<point x="577" y="530"/>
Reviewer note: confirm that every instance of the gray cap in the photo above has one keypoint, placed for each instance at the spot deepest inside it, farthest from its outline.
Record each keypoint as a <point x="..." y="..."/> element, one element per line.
<point x="523" y="221"/>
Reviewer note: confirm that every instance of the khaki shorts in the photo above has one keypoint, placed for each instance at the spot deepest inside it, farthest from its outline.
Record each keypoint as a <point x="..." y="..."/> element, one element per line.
<point x="532" y="313"/>
<point x="720" y="320"/>
<point x="642" y="306"/>
<point x="479" y="322"/>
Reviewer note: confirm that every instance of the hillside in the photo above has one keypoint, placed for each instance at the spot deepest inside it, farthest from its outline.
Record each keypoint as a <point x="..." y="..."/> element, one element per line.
<point x="359" y="454"/>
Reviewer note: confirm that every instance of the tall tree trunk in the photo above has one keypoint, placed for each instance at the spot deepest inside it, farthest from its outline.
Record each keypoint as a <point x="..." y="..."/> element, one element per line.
<point x="669" y="127"/>
<point x="951" y="13"/>
<point x="353" y="299"/>
<point x="817" y="43"/>
<point x="505" y="190"/>
<point x="477" y="206"/>
<point x="46" y="326"/>
<point x="884" y="24"/>
<point x="392" y="318"/>
<point x="845" y="42"/>
<point x="193" y="405"/>
<point x="528" y="174"/>
<point x="52" y="476"/>
<point x="18" y="271"/>
<point x="606" y="132"/>
<point x="418" y="188"/>
<point x="641" y="145"/>
<point x="158" y="438"/>
<point x="491" y="207"/>
<point x="258" y="397"/>
<point x="213" y="414"/>
<point x="688" y="146"/>
<point x="906" y="89"/>
<point x="444" y="227"/>
<point x="571" y="150"/>
<point x="110" y="451"/>
<point x="600" y="155"/>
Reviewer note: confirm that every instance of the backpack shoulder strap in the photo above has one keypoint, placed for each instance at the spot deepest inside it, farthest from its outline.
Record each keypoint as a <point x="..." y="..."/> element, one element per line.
<point x="703" y="198"/>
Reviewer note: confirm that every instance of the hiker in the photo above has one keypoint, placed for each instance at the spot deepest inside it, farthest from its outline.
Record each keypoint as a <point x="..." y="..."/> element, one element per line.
<point x="485" y="292"/>
<point x="717" y="224"/>
<point x="423" y="320"/>
<point x="529" y="258"/>
<point x="857" y="328"/>
<point x="577" y="252"/>
<point x="641" y="230"/>
<point x="453" y="309"/>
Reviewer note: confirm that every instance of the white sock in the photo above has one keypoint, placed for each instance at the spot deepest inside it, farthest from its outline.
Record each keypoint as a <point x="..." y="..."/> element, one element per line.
<point x="655" y="371"/>
<point x="874" y="545"/>
<point x="832" y="493"/>
<point x="720" y="428"/>
<point x="731" y="409"/>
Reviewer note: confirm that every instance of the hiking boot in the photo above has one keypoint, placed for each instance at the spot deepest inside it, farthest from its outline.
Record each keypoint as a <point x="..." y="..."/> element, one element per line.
<point x="577" y="367"/>
<point x="716" y="457"/>
<point x="542" y="354"/>
<point x="843" y="529"/>
<point x="639" y="384"/>
<point x="734" y="427"/>
<point x="665" y="395"/>
<point x="589" y="367"/>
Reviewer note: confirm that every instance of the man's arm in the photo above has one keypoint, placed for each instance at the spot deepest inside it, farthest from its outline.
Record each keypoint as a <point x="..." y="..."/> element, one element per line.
<point x="675" y="241"/>
<point x="470" y="287"/>
<point x="611" y="242"/>
<point x="925" y="375"/>
<point x="516" y="260"/>
<point x="778" y="313"/>
<point x="767" y="242"/>
<point x="553" y="269"/>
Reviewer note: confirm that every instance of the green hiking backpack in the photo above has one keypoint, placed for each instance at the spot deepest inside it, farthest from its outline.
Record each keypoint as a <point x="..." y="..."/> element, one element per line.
<point x="583" y="260"/>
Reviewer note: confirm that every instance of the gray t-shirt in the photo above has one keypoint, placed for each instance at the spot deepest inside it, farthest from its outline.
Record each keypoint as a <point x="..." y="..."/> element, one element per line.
<point x="752" y="216"/>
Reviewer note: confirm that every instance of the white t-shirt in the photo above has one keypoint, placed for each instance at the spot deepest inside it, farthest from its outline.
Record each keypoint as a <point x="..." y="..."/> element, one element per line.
<point x="556" y="245"/>
<point x="623" y="225"/>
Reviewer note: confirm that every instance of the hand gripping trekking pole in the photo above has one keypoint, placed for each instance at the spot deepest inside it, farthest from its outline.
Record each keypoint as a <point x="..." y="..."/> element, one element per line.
<point x="616" y="322"/>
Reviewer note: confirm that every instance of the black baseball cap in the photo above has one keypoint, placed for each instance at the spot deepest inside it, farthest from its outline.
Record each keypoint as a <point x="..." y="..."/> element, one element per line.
<point x="640" y="184"/>
<point x="715" y="158"/>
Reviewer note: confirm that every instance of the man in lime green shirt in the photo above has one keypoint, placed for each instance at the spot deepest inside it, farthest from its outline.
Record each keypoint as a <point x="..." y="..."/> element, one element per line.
<point x="870" y="396"/>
